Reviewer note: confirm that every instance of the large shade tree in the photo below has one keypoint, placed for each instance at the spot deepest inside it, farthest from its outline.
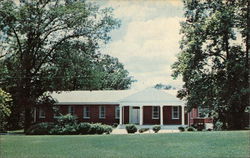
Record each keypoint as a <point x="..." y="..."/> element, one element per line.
<point x="52" y="45"/>
<point x="214" y="58"/>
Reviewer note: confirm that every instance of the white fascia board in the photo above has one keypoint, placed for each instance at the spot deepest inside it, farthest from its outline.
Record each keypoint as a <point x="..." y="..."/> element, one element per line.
<point x="151" y="104"/>
<point x="87" y="103"/>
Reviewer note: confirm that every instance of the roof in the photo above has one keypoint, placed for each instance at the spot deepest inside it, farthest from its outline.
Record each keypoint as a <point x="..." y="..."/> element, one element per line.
<point x="91" y="97"/>
<point x="152" y="96"/>
<point x="147" y="96"/>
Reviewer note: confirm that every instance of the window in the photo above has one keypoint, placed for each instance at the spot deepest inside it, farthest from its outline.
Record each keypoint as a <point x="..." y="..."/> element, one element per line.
<point x="102" y="112"/>
<point x="71" y="110"/>
<point x="155" y="112"/>
<point x="86" y="112"/>
<point x="117" y="112"/>
<point x="175" y="112"/>
<point x="41" y="113"/>
<point x="56" y="111"/>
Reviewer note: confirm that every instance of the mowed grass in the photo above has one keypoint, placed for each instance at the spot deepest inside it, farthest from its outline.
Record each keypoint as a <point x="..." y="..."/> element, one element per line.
<point x="188" y="144"/>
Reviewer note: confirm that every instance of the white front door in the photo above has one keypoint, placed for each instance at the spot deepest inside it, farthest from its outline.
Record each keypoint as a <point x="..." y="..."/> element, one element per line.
<point x="135" y="115"/>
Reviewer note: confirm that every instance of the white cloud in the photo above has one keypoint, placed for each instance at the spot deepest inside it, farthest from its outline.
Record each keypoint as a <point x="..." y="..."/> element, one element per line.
<point x="148" y="43"/>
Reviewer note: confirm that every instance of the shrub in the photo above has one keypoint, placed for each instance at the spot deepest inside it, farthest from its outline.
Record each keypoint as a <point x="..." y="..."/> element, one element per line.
<point x="40" y="129"/>
<point x="190" y="128"/>
<point x="96" y="128"/>
<point x="107" y="129"/>
<point x="218" y="126"/>
<point x="84" y="128"/>
<point x="115" y="125"/>
<point x="131" y="128"/>
<point x="156" y="128"/>
<point x="64" y="120"/>
<point x="181" y="129"/>
<point x="143" y="130"/>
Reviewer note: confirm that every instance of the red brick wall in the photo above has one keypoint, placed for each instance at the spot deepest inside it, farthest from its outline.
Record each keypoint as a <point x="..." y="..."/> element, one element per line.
<point x="94" y="114"/>
<point x="167" y="116"/>
<point x="110" y="115"/>
<point x="147" y="116"/>
<point x="193" y="114"/>
<point x="126" y="115"/>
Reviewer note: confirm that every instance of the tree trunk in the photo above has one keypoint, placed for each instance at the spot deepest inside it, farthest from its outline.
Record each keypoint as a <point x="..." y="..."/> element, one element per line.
<point x="27" y="118"/>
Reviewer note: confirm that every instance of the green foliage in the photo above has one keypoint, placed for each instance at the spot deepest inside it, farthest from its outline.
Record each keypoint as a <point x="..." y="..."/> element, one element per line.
<point x="50" y="46"/>
<point x="5" y="100"/>
<point x="40" y="129"/>
<point x="181" y="129"/>
<point x="107" y="129"/>
<point x="190" y="128"/>
<point x="115" y="125"/>
<point x="131" y="128"/>
<point x="163" y="86"/>
<point x="64" y="120"/>
<point x="142" y="130"/>
<point x="156" y="128"/>
<point x="84" y="128"/>
<point x="218" y="126"/>
<point x="213" y="61"/>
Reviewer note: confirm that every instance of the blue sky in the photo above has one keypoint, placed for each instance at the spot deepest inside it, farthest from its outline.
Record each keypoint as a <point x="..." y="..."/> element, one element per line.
<point x="148" y="40"/>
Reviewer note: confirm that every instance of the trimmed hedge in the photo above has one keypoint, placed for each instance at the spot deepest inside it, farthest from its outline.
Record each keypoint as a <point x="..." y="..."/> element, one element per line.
<point x="67" y="125"/>
<point x="156" y="128"/>
<point x="131" y="128"/>
<point x="143" y="130"/>
<point x="190" y="128"/>
<point x="181" y="129"/>
<point x="84" y="128"/>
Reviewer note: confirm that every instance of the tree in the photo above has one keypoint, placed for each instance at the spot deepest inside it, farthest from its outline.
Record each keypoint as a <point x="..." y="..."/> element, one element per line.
<point x="51" y="46"/>
<point x="163" y="86"/>
<point x="5" y="100"/>
<point x="214" y="59"/>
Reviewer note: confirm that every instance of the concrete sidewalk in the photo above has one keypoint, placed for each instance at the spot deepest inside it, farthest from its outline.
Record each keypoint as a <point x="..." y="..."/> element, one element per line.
<point x="123" y="131"/>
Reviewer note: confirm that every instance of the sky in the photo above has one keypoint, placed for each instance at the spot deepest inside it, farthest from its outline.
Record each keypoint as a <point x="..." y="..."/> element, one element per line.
<point x="148" y="40"/>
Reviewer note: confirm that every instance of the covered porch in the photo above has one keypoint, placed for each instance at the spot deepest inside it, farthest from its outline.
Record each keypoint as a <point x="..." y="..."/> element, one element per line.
<point x="151" y="107"/>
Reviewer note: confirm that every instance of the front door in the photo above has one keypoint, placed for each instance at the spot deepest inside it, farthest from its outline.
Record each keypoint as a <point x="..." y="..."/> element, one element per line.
<point x="135" y="115"/>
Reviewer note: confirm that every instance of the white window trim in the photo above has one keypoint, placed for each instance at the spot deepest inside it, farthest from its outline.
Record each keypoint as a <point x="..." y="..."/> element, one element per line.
<point x="178" y="113"/>
<point x="73" y="110"/>
<point x="158" y="108"/>
<point x="40" y="113"/>
<point x="100" y="107"/>
<point x="84" y="109"/>
<point x="117" y="112"/>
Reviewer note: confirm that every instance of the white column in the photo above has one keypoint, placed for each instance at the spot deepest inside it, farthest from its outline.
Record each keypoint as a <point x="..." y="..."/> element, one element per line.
<point x="182" y="115"/>
<point x="161" y="115"/>
<point x="121" y="115"/>
<point x="141" y="114"/>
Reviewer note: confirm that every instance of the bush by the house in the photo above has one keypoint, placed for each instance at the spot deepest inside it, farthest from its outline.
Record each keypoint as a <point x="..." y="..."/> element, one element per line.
<point x="181" y="129"/>
<point x="107" y="129"/>
<point x="66" y="120"/>
<point x="156" y="128"/>
<point x="190" y="128"/>
<point x="218" y="126"/>
<point x="143" y="130"/>
<point x="131" y="128"/>
<point x="115" y="125"/>
<point x="84" y="128"/>
<point x="40" y="129"/>
<point x="96" y="128"/>
<point x="64" y="130"/>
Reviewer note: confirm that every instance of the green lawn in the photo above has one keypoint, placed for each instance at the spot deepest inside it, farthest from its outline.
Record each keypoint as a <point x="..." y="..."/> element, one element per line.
<point x="188" y="144"/>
